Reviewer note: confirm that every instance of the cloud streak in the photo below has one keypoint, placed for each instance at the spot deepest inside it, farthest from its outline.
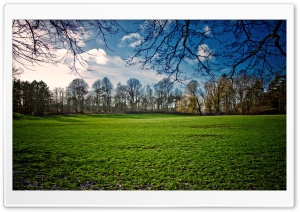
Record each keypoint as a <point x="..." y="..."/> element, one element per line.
<point x="117" y="71"/>
<point x="132" y="40"/>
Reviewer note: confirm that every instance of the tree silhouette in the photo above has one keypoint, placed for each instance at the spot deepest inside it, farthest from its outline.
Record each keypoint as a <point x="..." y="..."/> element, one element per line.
<point x="31" y="98"/>
<point x="195" y="95"/>
<point x="163" y="91"/>
<point x="277" y="94"/>
<point x="134" y="89"/>
<point x="121" y="97"/>
<point x="107" y="88"/>
<point x="78" y="89"/>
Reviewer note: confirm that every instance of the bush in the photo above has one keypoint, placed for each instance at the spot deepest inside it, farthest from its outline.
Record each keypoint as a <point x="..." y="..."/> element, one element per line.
<point x="17" y="116"/>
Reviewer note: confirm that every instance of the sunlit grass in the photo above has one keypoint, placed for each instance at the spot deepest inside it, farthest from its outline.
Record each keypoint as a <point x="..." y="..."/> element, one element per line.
<point x="145" y="151"/>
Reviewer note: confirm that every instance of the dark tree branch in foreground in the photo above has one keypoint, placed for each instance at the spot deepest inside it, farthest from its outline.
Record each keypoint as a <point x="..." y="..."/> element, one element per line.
<point x="244" y="44"/>
<point x="167" y="45"/>
<point x="16" y="72"/>
<point x="38" y="41"/>
<point x="259" y="48"/>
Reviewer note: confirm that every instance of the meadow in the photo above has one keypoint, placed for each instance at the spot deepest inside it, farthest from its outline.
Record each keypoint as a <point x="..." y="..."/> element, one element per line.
<point x="149" y="152"/>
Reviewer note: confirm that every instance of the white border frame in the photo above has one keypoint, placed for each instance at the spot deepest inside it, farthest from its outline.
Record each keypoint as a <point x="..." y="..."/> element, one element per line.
<point x="147" y="198"/>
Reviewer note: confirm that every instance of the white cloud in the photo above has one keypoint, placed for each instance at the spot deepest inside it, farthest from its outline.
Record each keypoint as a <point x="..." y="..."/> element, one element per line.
<point x="190" y="61"/>
<point x="130" y="36"/>
<point x="132" y="40"/>
<point x="207" y="31"/>
<point x="117" y="71"/>
<point x="86" y="60"/>
<point x="102" y="65"/>
<point x="95" y="56"/>
<point x="205" y="53"/>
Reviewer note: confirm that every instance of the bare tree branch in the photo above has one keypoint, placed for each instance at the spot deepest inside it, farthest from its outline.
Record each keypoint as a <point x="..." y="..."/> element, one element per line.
<point x="240" y="44"/>
<point x="37" y="41"/>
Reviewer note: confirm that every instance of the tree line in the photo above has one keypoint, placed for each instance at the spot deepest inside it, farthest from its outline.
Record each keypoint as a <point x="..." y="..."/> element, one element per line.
<point x="244" y="94"/>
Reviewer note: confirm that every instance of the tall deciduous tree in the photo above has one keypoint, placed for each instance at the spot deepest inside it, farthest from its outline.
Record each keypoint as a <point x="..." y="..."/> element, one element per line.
<point x="226" y="94"/>
<point x="242" y="87"/>
<point x="58" y="98"/>
<point x="277" y="94"/>
<point x="135" y="90"/>
<point x="97" y="87"/>
<point x="78" y="89"/>
<point x="31" y="98"/>
<point x="121" y="97"/>
<point x="163" y="91"/>
<point x="107" y="88"/>
<point x="61" y="93"/>
<point x="149" y="93"/>
<point x="195" y="95"/>
<point x="208" y="99"/>
<point x="177" y="97"/>
<point x="17" y="96"/>
<point x="27" y="97"/>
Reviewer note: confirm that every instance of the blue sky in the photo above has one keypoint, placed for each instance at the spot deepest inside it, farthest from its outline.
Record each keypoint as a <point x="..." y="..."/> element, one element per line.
<point x="111" y="64"/>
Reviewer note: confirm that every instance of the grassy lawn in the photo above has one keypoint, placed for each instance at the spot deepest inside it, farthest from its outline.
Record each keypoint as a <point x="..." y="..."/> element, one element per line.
<point x="149" y="152"/>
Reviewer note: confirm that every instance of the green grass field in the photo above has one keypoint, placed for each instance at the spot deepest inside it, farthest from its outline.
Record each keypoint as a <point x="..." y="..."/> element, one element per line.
<point x="149" y="152"/>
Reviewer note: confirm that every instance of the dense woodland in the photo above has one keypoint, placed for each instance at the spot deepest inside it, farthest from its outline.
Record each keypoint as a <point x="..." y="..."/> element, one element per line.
<point x="245" y="94"/>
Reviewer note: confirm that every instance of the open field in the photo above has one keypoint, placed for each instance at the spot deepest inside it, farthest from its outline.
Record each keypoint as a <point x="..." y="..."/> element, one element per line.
<point x="149" y="152"/>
